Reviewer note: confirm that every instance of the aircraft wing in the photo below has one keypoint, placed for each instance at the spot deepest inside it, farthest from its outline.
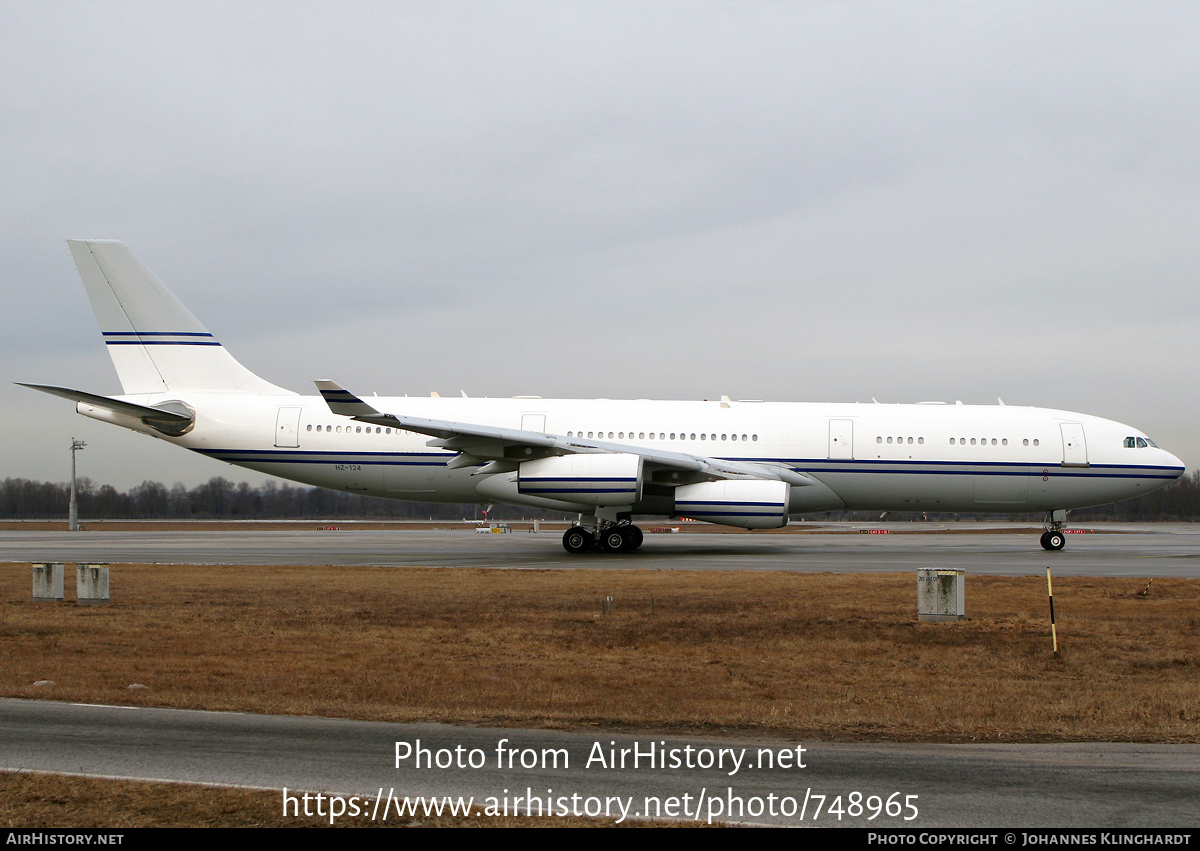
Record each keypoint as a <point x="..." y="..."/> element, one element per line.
<point x="500" y="449"/>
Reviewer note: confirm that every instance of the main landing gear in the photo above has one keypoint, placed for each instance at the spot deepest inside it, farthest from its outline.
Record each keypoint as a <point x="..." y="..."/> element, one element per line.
<point x="610" y="538"/>
<point x="1053" y="538"/>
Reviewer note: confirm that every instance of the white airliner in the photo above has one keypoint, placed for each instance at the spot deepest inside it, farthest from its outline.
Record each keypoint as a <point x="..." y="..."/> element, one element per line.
<point x="744" y="463"/>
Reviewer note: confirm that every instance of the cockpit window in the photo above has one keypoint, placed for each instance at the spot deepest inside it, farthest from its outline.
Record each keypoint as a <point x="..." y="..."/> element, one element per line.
<point x="1139" y="443"/>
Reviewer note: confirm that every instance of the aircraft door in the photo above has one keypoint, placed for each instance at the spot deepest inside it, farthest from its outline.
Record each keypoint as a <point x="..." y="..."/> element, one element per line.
<point x="1074" y="445"/>
<point x="533" y="422"/>
<point x="287" y="428"/>
<point x="841" y="440"/>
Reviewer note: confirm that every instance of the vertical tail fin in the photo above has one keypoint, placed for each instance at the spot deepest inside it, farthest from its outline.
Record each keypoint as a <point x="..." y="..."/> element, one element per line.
<point x="156" y="344"/>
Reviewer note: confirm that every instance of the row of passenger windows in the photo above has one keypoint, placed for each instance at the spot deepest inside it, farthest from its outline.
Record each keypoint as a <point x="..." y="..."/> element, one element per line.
<point x="353" y="429"/>
<point x="662" y="435"/>
<point x="620" y="435"/>
<point x="962" y="441"/>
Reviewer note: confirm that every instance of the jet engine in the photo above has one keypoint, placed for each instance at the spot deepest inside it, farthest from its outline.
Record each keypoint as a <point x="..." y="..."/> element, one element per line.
<point x="748" y="503"/>
<point x="586" y="479"/>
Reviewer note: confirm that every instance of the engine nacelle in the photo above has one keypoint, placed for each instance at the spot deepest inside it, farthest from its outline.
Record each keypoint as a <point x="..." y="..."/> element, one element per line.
<point x="590" y="479"/>
<point x="748" y="503"/>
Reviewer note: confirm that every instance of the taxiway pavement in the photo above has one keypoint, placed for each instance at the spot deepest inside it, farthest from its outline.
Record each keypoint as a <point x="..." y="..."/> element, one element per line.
<point x="1159" y="550"/>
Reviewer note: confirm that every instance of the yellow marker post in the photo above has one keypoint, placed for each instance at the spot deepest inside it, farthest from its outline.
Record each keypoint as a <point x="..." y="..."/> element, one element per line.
<point x="1053" y="631"/>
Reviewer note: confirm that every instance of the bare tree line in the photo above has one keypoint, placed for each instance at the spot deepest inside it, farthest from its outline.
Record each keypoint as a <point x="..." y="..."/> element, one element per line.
<point x="221" y="499"/>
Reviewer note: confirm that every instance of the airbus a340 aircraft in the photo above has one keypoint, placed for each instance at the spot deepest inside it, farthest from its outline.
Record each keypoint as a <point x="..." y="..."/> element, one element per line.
<point x="745" y="463"/>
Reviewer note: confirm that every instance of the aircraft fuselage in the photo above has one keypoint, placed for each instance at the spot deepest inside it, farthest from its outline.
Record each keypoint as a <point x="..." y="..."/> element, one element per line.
<point x="925" y="457"/>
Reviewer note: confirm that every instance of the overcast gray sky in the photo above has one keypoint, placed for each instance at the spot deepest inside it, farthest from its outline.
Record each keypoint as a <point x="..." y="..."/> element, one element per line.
<point x="825" y="201"/>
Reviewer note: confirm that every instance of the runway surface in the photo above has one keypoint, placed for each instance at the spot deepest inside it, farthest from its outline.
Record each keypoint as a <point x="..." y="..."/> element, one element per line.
<point x="1093" y="785"/>
<point x="1160" y="550"/>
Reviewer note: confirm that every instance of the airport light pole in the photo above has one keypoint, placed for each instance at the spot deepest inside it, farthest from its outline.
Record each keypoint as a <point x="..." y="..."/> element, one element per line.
<point x="73" y="509"/>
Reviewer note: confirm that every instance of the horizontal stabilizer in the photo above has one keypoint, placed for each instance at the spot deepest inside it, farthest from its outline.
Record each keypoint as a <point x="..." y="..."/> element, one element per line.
<point x="164" y="420"/>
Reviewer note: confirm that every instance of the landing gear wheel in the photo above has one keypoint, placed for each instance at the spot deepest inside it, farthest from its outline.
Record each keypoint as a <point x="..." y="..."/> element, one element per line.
<point x="577" y="540"/>
<point x="1053" y="541"/>
<point x="615" y="540"/>
<point x="635" y="537"/>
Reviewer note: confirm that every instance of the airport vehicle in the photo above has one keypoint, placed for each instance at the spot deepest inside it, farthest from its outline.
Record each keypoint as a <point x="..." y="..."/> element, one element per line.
<point x="739" y="463"/>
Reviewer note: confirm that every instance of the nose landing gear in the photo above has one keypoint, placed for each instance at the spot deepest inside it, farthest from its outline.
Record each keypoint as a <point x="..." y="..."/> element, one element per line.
<point x="1053" y="541"/>
<point x="1053" y="538"/>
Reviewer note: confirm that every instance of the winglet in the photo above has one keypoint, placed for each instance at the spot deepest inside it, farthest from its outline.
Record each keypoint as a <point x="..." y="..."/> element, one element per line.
<point x="343" y="402"/>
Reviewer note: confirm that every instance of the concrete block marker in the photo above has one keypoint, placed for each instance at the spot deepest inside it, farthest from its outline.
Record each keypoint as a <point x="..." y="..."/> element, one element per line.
<point x="91" y="583"/>
<point x="941" y="595"/>
<point x="48" y="582"/>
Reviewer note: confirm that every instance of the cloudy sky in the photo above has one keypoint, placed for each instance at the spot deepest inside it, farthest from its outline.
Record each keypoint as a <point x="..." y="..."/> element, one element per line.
<point x="823" y="201"/>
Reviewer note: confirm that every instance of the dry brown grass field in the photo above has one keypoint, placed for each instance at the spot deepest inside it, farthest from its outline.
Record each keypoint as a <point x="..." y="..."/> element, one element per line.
<point x="817" y="656"/>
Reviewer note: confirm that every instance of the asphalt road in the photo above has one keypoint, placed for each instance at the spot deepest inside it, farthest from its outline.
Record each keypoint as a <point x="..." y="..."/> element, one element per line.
<point x="1093" y="785"/>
